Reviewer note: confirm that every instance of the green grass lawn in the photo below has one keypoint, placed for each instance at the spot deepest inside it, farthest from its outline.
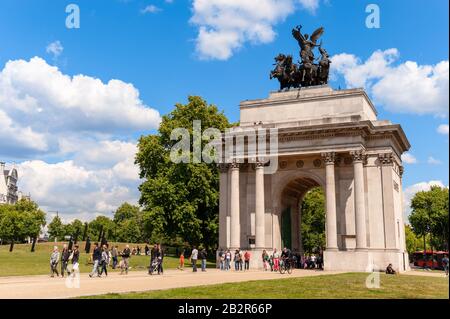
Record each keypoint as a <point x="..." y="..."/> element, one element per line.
<point x="345" y="286"/>
<point x="23" y="262"/>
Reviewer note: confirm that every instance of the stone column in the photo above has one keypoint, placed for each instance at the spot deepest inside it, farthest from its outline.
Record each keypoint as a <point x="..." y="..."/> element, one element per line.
<point x="360" y="205"/>
<point x="223" y="205"/>
<point x="330" y="193"/>
<point x="235" y="233"/>
<point x="260" y="233"/>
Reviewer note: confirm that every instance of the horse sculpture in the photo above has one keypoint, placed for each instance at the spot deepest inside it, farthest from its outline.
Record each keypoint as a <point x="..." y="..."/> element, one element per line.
<point x="307" y="73"/>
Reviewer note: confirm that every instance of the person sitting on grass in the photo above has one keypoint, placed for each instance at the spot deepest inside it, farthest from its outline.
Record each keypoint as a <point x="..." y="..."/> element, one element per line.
<point x="390" y="270"/>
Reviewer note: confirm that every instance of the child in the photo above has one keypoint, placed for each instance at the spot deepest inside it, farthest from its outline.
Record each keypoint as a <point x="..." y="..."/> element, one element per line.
<point x="181" y="266"/>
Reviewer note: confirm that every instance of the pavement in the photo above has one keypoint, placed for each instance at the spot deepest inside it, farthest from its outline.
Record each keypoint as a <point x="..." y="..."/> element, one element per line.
<point x="44" y="287"/>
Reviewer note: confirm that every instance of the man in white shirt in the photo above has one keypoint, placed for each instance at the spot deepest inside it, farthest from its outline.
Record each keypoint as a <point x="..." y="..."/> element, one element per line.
<point x="194" y="257"/>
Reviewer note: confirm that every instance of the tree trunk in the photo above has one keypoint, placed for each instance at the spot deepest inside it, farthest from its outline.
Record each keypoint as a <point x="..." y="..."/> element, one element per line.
<point x="11" y="247"/>
<point x="34" y="244"/>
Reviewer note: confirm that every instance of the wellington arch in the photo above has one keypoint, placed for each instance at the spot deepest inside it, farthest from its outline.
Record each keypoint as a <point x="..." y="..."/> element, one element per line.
<point x="326" y="138"/>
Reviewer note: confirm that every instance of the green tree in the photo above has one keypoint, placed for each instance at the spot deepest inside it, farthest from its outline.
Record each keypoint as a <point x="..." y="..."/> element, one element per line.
<point x="74" y="228"/>
<point x="56" y="228"/>
<point x="430" y="216"/>
<point x="19" y="221"/>
<point x="34" y="218"/>
<point x="313" y="220"/>
<point x="129" y="231"/>
<point x="413" y="243"/>
<point x="126" y="211"/>
<point x="102" y="223"/>
<point x="180" y="199"/>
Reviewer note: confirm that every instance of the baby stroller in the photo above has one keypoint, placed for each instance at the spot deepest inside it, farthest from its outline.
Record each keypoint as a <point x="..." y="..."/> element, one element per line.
<point x="153" y="267"/>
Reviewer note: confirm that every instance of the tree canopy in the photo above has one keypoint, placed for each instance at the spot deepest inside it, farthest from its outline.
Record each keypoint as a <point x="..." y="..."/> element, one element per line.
<point x="313" y="220"/>
<point x="21" y="220"/>
<point x="180" y="200"/>
<point x="430" y="215"/>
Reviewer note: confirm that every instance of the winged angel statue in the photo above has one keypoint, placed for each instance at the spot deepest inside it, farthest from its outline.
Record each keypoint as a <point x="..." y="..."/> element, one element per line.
<point x="308" y="73"/>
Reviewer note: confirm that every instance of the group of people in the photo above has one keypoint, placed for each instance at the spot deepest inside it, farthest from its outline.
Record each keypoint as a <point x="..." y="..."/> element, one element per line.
<point x="241" y="260"/>
<point x="194" y="257"/>
<point x="102" y="257"/>
<point x="67" y="258"/>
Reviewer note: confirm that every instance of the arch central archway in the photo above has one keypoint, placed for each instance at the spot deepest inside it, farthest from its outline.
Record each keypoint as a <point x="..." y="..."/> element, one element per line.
<point x="291" y="199"/>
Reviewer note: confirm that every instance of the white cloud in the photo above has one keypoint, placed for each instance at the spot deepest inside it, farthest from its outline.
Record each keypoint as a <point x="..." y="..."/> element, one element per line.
<point x="226" y="25"/>
<point x="404" y="88"/>
<point x="408" y="158"/>
<point x="37" y="98"/>
<point x="151" y="9"/>
<point x="433" y="161"/>
<point x="443" y="129"/>
<point x="80" y="133"/>
<point x="409" y="192"/>
<point x="74" y="190"/>
<point x="55" y="48"/>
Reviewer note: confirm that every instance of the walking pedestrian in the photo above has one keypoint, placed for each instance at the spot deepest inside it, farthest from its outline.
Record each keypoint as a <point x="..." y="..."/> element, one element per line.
<point x="126" y="254"/>
<point x="181" y="265"/>
<point x="96" y="258"/>
<point x="237" y="260"/>
<point x="265" y="260"/>
<point x="228" y="260"/>
<point x="445" y="264"/>
<point x="54" y="259"/>
<point x="104" y="261"/>
<point x="160" y="256"/>
<point x="221" y="256"/>
<point x="65" y="254"/>
<point x="276" y="260"/>
<point x="114" y="255"/>
<point x="194" y="257"/>
<point x="247" y="260"/>
<point x="203" y="256"/>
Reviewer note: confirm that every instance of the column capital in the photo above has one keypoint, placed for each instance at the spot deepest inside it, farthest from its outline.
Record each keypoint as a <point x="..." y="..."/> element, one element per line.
<point x="386" y="158"/>
<point x="358" y="156"/>
<point x="401" y="171"/>
<point x="235" y="165"/>
<point x="223" y="168"/>
<point x="259" y="165"/>
<point x="330" y="158"/>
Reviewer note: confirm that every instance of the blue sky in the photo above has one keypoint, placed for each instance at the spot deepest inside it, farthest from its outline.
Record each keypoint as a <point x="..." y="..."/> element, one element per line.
<point x="173" y="49"/>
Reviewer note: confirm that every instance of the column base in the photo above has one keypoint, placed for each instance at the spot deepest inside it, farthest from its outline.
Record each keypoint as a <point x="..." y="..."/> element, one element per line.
<point x="365" y="261"/>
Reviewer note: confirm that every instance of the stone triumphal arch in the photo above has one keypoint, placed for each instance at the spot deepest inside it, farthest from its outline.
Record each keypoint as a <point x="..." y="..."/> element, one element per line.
<point x="330" y="139"/>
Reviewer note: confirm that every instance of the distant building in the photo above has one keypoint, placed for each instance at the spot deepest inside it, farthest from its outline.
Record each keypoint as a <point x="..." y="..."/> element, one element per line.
<point x="9" y="193"/>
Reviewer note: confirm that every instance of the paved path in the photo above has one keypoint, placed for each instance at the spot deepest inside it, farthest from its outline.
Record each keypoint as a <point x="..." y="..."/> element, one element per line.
<point x="46" y="287"/>
<point x="51" y="288"/>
